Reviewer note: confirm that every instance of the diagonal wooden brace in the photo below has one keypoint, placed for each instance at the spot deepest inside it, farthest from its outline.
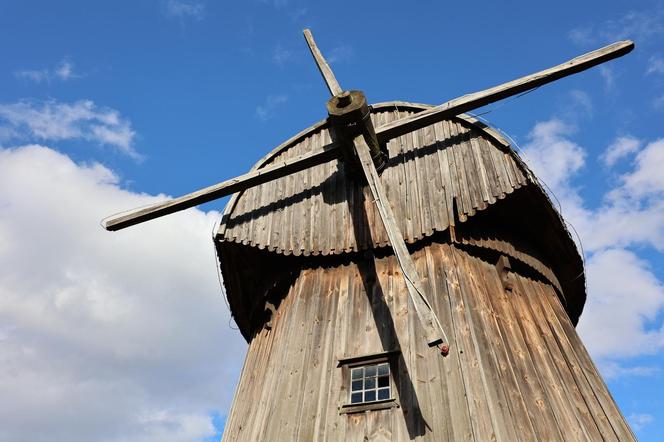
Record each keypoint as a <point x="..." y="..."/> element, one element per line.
<point x="434" y="332"/>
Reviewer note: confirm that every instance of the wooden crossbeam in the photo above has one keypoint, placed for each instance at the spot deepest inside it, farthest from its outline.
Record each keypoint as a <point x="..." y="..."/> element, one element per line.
<point x="242" y="182"/>
<point x="434" y="332"/>
<point x="323" y="67"/>
<point x="505" y="90"/>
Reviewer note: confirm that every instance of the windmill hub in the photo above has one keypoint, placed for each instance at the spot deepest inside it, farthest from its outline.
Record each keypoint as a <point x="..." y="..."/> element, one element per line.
<point x="349" y="115"/>
<point x="344" y="99"/>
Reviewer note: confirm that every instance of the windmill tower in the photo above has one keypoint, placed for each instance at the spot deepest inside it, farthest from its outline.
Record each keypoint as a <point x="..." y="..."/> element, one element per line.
<point x="400" y="274"/>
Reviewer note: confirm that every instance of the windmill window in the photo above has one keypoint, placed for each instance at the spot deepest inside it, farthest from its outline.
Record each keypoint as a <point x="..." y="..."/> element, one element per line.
<point x="368" y="381"/>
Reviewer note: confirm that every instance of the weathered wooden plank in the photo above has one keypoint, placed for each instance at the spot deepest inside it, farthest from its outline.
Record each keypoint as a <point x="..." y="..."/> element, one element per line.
<point x="566" y="421"/>
<point x="433" y="184"/>
<point x="568" y="384"/>
<point x="435" y="398"/>
<point x="508" y="417"/>
<point x="324" y="68"/>
<point x="467" y="207"/>
<point x="450" y="368"/>
<point x="615" y="417"/>
<point x="468" y="354"/>
<point x="254" y="178"/>
<point x="433" y="332"/>
<point x="594" y="406"/>
<point x="478" y="99"/>
<point x="487" y="184"/>
<point x="538" y="406"/>
<point x="445" y="177"/>
<point x="501" y="346"/>
<point x="281" y="420"/>
<point x="420" y="189"/>
<point x="499" y="413"/>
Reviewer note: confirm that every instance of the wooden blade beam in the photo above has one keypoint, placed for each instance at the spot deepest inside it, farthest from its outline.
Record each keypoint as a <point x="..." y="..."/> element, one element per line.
<point x="482" y="98"/>
<point x="323" y="67"/>
<point x="242" y="182"/>
<point x="434" y="332"/>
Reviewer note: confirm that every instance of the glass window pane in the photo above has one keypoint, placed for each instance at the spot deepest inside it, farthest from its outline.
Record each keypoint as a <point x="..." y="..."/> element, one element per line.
<point x="357" y="373"/>
<point x="355" y="398"/>
<point x="369" y="383"/>
<point x="356" y="385"/>
<point x="383" y="369"/>
<point x="370" y="371"/>
<point x="369" y="396"/>
<point x="383" y="381"/>
<point x="383" y="393"/>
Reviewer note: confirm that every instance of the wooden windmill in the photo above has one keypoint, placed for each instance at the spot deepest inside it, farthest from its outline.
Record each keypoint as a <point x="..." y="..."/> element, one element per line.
<point x="362" y="248"/>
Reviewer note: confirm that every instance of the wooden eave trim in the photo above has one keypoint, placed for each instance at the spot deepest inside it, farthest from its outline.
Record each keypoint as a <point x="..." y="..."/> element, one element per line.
<point x="370" y="406"/>
<point x="365" y="359"/>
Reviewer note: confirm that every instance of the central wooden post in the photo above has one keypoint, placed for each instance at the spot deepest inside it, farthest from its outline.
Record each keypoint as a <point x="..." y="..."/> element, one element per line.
<point x="349" y="115"/>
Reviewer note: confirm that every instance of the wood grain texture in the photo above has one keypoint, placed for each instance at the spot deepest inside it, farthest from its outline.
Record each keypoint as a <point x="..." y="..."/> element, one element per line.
<point x="324" y="68"/>
<point x="434" y="333"/>
<point x="256" y="177"/>
<point x="482" y="98"/>
<point x="325" y="194"/>
<point x="517" y="369"/>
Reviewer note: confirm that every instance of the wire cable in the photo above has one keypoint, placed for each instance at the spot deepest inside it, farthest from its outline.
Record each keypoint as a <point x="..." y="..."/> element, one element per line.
<point x="543" y="184"/>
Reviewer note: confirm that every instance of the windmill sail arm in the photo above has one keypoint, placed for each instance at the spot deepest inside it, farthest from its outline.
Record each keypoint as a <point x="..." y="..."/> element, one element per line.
<point x="505" y="90"/>
<point x="242" y="182"/>
<point x="323" y="66"/>
<point x="434" y="333"/>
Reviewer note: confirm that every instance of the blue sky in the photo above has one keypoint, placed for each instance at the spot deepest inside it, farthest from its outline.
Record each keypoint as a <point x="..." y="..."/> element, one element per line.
<point x="108" y="105"/>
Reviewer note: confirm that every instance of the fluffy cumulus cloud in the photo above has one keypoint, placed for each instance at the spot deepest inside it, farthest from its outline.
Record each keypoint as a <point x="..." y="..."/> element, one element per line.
<point x="619" y="149"/>
<point x="622" y="285"/>
<point x="105" y="336"/>
<point x="552" y="153"/>
<point x="55" y="121"/>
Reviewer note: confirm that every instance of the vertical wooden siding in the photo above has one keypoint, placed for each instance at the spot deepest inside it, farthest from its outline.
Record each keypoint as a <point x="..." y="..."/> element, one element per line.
<point x="517" y="369"/>
<point x="429" y="172"/>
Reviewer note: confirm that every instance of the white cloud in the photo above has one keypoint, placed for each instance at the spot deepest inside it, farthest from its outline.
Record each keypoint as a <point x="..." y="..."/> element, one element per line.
<point x="53" y="121"/>
<point x="627" y="295"/>
<point x="63" y="71"/>
<point x="551" y="153"/>
<point x="105" y="336"/>
<point x="623" y="290"/>
<point x="185" y="9"/>
<point x="641" y="26"/>
<point x="639" y="420"/>
<point x="340" y="54"/>
<point x="612" y="370"/>
<point x="578" y="107"/>
<point x="620" y="148"/>
<point x="266" y="110"/>
<point x="647" y="179"/>
<point x="655" y="65"/>
<point x="282" y="56"/>
<point x="608" y="76"/>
